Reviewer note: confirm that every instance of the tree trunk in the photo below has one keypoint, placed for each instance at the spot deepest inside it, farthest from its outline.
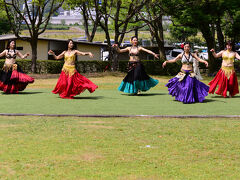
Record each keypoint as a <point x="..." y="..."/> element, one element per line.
<point x="34" y="55"/>
<point x="161" y="40"/>
<point x="115" y="63"/>
<point x="208" y="36"/>
<point x="220" y="34"/>
<point x="213" y="34"/>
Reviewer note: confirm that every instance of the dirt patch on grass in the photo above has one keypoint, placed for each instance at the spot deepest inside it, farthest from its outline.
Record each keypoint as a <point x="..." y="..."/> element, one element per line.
<point x="94" y="122"/>
<point x="90" y="156"/>
<point x="8" y="125"/>
<point x="8" y="169"/>
<point x="134" y="177"/>
<point x="98" y="126"/>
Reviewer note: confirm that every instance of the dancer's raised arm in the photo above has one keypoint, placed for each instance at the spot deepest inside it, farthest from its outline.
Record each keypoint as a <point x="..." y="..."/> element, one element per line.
<point x="237" y="56"/>
<point x="3" y="53"/>
<point x="84" y="53"/>
<point x="200" y="60"/>
<point x="172" y="60"/>
<point x="121" y="50"/>
<point x="60" y="56"/>
<point x="22" y="56"/>
<point x="149" y="52"/>
<point x="218" y="55"/>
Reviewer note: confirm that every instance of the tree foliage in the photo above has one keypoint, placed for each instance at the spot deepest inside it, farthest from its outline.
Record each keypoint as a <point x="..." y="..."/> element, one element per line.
<point x="35" y="15"/>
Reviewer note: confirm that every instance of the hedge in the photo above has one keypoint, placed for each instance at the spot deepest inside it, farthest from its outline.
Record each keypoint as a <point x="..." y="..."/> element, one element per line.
<point x="55" y="66"/>
<point x="153" y="67"/>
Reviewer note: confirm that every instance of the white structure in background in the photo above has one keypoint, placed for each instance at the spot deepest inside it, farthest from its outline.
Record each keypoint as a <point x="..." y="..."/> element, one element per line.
<point x="68" y="17"/>
<point x="173" y="53"/>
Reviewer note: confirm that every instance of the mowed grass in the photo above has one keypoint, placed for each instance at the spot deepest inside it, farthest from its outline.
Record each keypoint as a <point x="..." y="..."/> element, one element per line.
<point x="119" y="148"/>
<point x="107" y="100"/>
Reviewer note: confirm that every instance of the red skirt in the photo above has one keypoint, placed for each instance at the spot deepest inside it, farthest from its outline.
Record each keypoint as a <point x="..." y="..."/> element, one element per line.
<point x="224" y="84"/>
<point x="14" y="81"/>
<point x="70" y="86"/>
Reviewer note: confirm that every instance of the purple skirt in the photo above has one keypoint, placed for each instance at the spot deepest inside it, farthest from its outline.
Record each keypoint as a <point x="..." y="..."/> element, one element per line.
<point x="188" y="90"/>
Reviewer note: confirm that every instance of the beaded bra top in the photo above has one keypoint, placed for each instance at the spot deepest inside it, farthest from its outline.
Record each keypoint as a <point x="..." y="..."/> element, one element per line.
<point x="11" y="56"/>
<point x="69" y="59"/>
<point x="187" y="60"/>
<point x="133" y="54"/>
<point x="229" y="59"/>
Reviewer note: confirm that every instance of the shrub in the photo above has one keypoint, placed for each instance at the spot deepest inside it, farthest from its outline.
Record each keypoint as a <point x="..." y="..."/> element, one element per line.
<point x="152" y="67"/>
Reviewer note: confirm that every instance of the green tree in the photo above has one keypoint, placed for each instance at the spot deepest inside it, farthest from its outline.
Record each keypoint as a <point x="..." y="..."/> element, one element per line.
<point x="231" y="20"/>
<point x="120" y="13"/>
<point x="180" y="32"/>
<point x="34" y="15"/>
<point x="201" y="14"/>
<point x="90" y="13"/>
<point x="4" y="24"/>
<point x="152" y="15"/>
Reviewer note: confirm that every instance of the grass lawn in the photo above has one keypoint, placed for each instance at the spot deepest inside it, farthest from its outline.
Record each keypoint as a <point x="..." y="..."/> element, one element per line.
<point x="107" y="100"/>
<point x="119" y="148"/>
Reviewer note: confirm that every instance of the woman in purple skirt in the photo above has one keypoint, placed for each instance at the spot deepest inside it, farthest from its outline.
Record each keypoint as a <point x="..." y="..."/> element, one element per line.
<point x="185" y="86"/>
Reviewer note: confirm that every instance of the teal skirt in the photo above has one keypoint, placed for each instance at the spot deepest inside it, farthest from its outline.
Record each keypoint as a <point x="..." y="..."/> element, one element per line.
<point x="137" y="79"/>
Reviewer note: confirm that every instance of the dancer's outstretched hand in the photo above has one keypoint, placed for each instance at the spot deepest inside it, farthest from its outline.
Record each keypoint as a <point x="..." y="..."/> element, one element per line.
<point x="164" y="64"/>
<point x="206" y="63"/>
<point x="156" y="56"/>
<point x="50" y="52"/>
<point x="212" y="50"/>
<point x="91" y="55"/>
<point x="115" y="45"/>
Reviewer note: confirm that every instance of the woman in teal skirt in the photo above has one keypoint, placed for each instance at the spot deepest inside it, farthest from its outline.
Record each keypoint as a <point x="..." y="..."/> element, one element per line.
<point x="136" y="79"/>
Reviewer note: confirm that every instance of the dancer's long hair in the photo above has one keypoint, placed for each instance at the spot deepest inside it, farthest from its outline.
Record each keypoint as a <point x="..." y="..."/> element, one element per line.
<point x="133" y="38"/>
<point x="74" y="45"/>
<point x="8" y="44"/>
<point x="230" y="43"/>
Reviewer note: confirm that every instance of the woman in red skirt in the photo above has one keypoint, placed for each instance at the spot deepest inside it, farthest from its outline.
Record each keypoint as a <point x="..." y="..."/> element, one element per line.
<point x="12" y="78"/>
<point x="70" y="82"/>
<point x="226" y="78"/>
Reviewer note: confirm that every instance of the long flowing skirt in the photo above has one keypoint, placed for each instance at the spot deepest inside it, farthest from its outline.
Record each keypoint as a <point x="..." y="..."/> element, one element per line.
<point x="224" y="84"/>
<point x="136" y="79"/>
<point x="13" y="80"/>
<point x="70" y="86"/>
<point x="187" y="90"/>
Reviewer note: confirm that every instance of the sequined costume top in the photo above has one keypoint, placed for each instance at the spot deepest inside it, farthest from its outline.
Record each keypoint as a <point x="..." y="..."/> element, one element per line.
<point x="69" y="65"/>
<point x="228" y="70"/>
<point x="187" y="60"/>
<point x="10" y="62"/>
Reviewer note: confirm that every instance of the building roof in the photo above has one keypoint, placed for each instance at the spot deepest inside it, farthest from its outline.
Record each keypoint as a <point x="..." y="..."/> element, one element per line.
<point x="12" y="36"/>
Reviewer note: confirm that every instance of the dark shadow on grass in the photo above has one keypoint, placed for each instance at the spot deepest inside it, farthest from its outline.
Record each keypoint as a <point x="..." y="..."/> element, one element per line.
<point x="221" y="97"/>
<point x="212" y="100"/>
<point x="90" y="97"/>
<point x="30" y="92"/>
<point x="21" y="93"/>
<point x="205" y="101"/>
<point x="147" y="94"/>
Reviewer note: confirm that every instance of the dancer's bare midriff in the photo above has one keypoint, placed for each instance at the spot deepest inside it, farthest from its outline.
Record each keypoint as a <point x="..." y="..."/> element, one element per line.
<point x="10" y="61"/>
<point x="187" y="67"/>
